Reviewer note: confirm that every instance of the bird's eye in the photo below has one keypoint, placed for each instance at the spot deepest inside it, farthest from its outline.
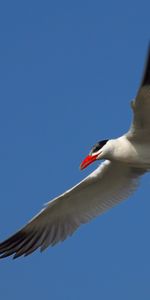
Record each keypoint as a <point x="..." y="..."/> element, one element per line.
<point x="95" y="149"/>
<point x="98" y="146"/>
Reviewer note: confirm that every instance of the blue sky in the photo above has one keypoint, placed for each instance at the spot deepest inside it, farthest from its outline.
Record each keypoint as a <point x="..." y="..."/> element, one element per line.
<point x="68" y="70"/>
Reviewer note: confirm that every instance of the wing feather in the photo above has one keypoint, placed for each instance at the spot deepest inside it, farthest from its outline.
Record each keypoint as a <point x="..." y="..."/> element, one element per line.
<point x="140" y="127"/>
<point x="110" y="183"/>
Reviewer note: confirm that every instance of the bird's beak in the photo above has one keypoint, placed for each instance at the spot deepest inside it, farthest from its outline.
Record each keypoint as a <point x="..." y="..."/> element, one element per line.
<point x="87" y="161"/>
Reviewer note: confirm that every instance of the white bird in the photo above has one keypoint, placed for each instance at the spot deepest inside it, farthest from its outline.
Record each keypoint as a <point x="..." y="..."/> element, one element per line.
<point x="126" y="159"/>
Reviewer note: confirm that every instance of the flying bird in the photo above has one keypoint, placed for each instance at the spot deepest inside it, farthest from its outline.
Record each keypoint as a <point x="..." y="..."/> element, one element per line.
<point x="127" y="158"/>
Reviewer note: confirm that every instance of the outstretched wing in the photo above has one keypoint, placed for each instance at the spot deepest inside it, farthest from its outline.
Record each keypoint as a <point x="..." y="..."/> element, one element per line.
<point x="140" y="127"/>
<point x="106" y="186"/>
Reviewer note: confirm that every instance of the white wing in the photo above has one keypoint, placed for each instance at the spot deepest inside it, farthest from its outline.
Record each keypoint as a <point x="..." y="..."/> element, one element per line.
<point x="140" y="128"/>
<point x="106" y="186"/>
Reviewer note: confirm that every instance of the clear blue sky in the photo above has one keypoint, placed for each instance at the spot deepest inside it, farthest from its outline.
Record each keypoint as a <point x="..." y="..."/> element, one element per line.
<point x="68" y="70"/>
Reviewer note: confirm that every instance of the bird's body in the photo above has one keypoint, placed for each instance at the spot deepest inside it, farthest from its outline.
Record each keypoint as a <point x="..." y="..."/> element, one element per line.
<point x="133" y="153"/>
<point x="127" y="158"/>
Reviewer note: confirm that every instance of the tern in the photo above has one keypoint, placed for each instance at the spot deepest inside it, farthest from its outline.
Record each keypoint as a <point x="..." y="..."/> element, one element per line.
<point x="126" y="159"/>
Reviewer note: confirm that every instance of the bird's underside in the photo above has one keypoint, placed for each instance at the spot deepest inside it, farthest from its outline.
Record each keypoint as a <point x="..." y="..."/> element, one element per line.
<point x="113" y="181"/>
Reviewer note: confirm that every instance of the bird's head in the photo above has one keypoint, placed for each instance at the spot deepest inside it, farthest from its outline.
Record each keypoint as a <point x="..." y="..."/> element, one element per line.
<point x="97" y="152"/>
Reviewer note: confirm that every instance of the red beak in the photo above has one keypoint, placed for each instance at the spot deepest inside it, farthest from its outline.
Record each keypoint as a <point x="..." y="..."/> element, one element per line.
<point x="87" y="161"/>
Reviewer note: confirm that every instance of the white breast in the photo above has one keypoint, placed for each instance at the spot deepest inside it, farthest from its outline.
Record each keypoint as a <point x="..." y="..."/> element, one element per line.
<point x="129" y="152"/>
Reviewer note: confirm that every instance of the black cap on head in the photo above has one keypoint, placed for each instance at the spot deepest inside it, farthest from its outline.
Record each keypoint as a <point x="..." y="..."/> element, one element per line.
<point x="98" y="146"/>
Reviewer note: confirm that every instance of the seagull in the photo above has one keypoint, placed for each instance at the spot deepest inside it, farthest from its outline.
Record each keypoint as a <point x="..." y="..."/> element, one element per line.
<point x="126" y="159"/>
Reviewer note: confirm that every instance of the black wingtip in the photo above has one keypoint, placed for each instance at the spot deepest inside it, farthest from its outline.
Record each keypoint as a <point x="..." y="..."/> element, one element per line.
<point x="146" y="76"/>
